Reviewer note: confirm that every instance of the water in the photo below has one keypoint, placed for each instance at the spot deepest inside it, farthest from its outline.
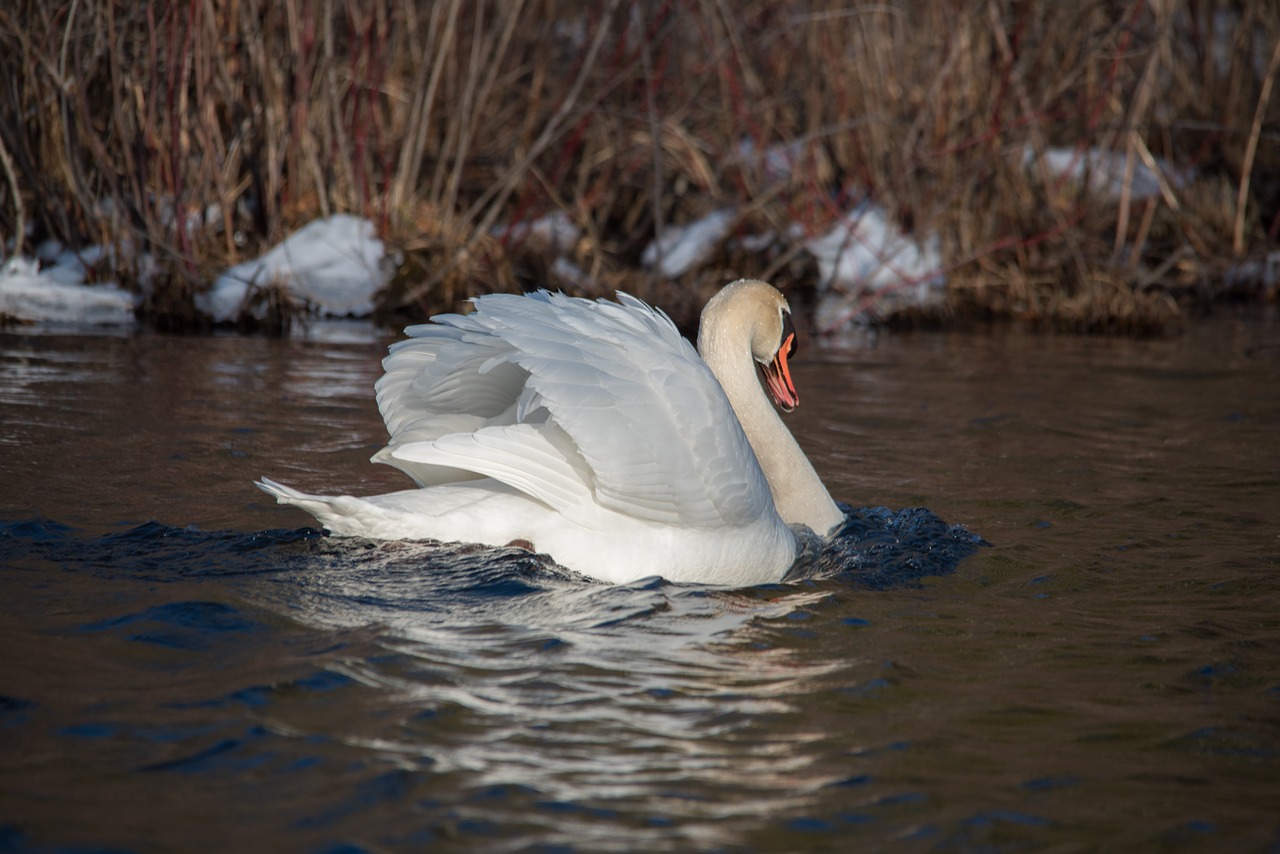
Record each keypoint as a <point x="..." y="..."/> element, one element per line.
<point x="186" y="666"/>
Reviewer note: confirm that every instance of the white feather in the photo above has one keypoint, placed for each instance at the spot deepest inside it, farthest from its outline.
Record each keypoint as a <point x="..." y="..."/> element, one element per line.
<point x="591" y="429"/>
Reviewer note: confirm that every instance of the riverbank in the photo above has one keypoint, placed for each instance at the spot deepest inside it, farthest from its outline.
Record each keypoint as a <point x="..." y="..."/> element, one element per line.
<point x="1087" y="167"/>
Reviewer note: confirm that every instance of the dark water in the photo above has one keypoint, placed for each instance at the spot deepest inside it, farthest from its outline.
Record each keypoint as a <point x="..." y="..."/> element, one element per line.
<point x="185" y="666"/>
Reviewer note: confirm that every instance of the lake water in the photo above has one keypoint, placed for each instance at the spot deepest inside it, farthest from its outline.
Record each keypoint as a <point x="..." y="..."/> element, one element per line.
<point x="185" y="665"/>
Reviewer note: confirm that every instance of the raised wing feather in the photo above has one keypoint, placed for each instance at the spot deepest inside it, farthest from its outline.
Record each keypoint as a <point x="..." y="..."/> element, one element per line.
<point x="441" y="382"/>
<point x="653" y="435"/>
<point x="442" y="370"/>
<point x="536" y="459"/>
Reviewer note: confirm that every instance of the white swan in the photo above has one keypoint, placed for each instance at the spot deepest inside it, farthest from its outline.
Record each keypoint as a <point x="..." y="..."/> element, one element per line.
<point x="594" y="432"/>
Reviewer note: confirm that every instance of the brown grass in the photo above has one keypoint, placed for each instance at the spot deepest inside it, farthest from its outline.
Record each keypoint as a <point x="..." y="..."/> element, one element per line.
<point x="442" y="119"/>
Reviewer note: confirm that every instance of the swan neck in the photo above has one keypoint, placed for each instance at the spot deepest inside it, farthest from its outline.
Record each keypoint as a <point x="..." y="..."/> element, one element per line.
<point x="724" y="341"/>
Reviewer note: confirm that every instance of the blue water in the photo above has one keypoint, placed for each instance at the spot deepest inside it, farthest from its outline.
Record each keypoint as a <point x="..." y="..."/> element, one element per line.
<point x="185" y="666"/>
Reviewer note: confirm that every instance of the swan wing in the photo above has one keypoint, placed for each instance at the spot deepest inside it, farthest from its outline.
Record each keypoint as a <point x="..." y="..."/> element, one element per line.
<point x="442" y="371"/>
<point x="639" y="419"/>
<point x="535" y="459"/>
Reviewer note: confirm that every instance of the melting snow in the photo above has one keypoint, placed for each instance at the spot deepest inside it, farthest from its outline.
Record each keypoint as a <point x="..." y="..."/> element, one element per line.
<point x="775" y="163"/>
<point x="573" y="275"/>
<point x="334" y="265"/>
<point x="683" y="247"/>
<point x="555" y="231"/>
<point x="1261" y="273"/>
<point x="866" y="262"/>
<point x="57" y="294"/>
<point x="1105" y="171"/>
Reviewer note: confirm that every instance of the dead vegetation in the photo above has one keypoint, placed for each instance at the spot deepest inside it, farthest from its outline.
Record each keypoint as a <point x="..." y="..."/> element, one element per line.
<point x="202" y="132"/>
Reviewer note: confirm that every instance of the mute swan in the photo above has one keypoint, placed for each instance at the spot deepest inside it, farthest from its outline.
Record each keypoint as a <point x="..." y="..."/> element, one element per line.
<point x="594" y="432"/>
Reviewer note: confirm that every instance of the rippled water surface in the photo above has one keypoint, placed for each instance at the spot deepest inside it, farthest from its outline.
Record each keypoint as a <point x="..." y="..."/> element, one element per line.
<point x="186" y="666"/>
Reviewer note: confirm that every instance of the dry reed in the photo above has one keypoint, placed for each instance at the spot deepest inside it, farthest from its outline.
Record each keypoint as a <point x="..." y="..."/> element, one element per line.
<point x="202" y="131"/>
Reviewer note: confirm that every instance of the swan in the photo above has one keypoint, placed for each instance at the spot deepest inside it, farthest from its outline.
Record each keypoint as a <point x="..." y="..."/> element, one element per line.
<point x="592" y="431"/>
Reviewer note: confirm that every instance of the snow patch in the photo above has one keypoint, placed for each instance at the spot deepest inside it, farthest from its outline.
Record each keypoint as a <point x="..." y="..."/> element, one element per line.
<point x="1260" y="274"/>
<point x="57" y="294"/>
<point x="333" y="265"/>
<point x="681" y="248"/>
<point x="867" y="264"/>
<point x="555" y="231"/>
<point x="1103" y="172"/>
<point x="775" y="163"/>
<point x="571" y="274"/>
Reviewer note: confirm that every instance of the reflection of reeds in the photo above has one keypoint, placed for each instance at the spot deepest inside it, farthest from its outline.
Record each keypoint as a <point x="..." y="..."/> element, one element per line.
<point x="205" y="130"/>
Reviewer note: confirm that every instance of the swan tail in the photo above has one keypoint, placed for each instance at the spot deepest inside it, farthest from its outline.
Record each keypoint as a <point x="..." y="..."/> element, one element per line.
<point x="339" y="514"/>
<point x="287" y="494"/>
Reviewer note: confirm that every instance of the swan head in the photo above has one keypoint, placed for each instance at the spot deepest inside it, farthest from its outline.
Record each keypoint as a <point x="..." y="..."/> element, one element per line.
<point x="759" y="312"/>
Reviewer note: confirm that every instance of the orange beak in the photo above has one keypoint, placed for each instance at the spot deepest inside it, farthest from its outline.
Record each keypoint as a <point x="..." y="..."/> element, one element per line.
<point x="777" y="376"/>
